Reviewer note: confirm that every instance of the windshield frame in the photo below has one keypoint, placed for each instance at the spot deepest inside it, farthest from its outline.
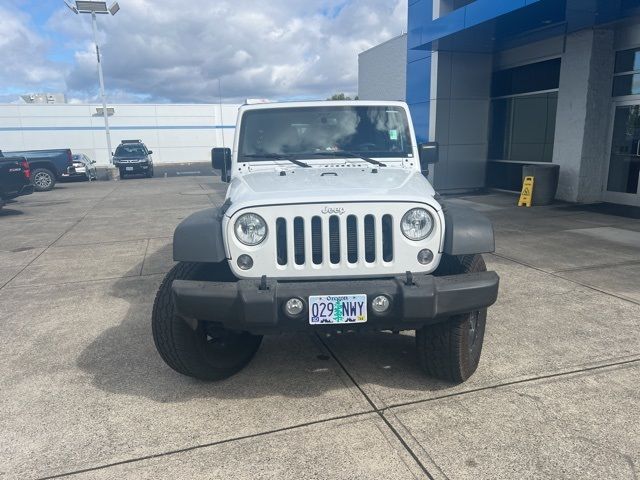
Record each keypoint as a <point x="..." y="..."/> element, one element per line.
<point x="407" y="134"/>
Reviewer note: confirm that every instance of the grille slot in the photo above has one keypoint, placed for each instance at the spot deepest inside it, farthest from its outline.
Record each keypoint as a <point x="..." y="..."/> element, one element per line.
<point x="387" y="238"/>
<point x="352" y="239"/>
<point x="334" y="239"/>
<point x="369" y="239"/>
<point x="281" y="241"/>
<point x="316" y="240"/>
<point x="298" y="240"/>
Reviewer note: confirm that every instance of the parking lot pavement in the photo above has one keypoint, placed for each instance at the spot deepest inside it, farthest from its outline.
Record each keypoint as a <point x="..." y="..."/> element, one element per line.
<point x="85" y="395"/>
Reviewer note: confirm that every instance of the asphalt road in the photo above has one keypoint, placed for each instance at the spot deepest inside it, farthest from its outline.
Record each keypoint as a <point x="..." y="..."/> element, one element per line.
<point x="85" y="395"/>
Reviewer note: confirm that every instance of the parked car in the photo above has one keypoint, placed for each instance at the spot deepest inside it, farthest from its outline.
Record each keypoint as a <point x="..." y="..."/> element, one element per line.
<point x="14" y="178"/>
<point x="83" y="168"/>
<point x="47" y="166"/>
<point x="329" y="225"/>
<point x="133" y="157"/>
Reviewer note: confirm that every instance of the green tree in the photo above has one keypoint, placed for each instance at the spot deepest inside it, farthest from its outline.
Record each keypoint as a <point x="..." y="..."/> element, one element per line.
<point x="337" y="311"/>
<point x="341" y="96"/>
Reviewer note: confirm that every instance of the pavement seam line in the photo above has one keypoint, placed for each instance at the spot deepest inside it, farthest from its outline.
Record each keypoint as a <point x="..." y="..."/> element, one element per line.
<point x="92" y="280"/>
<point x="207" y="445"/>
<point x="73" y="225"/>
<point x="379" y="412"/>
<point x="596" y="267"/>
<point x="144" y="257"/>
<point x="591" y="287"/>
<point x="515" y="382"/>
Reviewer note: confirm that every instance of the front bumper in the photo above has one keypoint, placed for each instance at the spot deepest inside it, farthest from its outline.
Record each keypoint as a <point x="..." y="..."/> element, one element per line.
<point x="134" y="167"/>
<point x="417" y="301"/>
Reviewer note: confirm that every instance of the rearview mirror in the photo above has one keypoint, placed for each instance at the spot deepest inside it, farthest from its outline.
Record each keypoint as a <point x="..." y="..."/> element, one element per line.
<point x="428" y="154"/>
<point x="221" y="160"/>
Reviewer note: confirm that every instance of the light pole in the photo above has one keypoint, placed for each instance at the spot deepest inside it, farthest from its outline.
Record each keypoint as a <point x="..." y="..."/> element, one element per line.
<point x="99" y="8"/>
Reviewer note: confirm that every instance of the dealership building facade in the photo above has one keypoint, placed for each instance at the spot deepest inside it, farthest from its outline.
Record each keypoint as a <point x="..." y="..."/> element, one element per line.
<point x="504" y="83"/>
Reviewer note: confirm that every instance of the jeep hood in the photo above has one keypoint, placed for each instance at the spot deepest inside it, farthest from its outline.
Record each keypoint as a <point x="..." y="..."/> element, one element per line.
<point x="329" y="185"/>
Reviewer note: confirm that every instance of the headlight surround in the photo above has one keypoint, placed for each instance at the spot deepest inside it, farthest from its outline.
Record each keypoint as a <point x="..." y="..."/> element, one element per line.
<point x="250" y="229"/>
<point x="417" y="224"/>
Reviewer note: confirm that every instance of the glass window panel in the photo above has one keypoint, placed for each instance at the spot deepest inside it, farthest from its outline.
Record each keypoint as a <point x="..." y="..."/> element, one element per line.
<point x="627" y="61"/>
<point x="624" y="167"/>
<point x="523" y="128"/>
<point x="535" y="77"/>
<point x="626" y="85"/>
<point x="499" y="128"/>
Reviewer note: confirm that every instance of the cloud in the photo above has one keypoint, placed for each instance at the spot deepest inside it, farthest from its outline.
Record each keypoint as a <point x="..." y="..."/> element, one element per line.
<point x="25" y="65"/>
<point x="158" y="51"/>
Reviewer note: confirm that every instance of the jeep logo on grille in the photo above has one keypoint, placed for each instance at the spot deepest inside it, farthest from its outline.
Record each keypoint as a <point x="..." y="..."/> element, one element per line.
<point x="333" y="210"/>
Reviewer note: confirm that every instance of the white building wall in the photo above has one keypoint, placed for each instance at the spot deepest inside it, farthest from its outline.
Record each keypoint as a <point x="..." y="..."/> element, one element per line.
<point x="382" y="71"/>
<point x="175" y="132"/>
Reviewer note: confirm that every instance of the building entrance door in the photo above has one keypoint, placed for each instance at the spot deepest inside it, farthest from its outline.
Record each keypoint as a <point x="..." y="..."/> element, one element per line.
<point x="624" y="164"/>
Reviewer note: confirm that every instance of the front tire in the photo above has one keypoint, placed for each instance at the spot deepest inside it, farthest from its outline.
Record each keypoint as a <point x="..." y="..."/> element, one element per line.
<point x="43" y="179"/>
<point x="451" y="350"/>
<point x="122" y="174"/>
<point x="209" y="352"/>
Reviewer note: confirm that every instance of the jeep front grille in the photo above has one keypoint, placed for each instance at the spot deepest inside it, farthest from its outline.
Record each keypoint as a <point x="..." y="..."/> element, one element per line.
<point x="334" y="239"/>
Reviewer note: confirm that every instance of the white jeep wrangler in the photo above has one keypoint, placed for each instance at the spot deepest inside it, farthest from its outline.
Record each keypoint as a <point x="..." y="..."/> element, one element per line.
<point x="329" y="224"/>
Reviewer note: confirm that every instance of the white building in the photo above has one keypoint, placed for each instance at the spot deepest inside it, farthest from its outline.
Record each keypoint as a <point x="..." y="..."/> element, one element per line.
<point x="176" y="133"/>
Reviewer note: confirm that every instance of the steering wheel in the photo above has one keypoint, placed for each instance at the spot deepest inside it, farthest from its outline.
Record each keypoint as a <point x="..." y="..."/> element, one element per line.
<point x="367" y="146"/>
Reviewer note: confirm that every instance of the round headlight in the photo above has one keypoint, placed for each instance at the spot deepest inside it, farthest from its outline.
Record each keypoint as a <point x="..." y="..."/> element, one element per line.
<point x="250" y="229"/>
<point x="416" y="224"/>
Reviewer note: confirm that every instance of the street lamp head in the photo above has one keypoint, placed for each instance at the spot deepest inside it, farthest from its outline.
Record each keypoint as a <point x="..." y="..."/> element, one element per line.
<point x="91" y="6"/>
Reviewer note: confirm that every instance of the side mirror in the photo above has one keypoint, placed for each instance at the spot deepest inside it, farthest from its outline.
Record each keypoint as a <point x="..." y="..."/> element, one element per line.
<point x="93" y="162"/>
<point x="150" y="152"/>
<point x="221" y="160"/>
<point x="428" y="154"/>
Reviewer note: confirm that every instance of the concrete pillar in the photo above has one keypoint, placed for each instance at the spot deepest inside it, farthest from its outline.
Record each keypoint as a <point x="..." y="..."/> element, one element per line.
<point x="584" y="114"/>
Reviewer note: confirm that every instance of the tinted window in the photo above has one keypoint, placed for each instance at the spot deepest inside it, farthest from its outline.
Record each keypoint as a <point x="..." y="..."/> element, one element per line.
<point x="523" y="128"/>
<point x="372" y="131"/>
<point x="130" y="150"/>
<point x="535" y="77"/>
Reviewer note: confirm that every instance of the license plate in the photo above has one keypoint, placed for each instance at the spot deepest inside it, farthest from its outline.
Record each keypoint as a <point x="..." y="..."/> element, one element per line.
<point x="129" y="169"/>
<point x="334" y="309"/>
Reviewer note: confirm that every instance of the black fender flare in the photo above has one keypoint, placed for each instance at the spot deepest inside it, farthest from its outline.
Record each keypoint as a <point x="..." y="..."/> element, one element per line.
<point x="198" y="238"/>
<point x="466" y="231"/>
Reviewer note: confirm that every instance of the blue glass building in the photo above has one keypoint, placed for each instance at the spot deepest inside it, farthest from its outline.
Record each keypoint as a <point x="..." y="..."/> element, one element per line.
<point x="503" y="83"/>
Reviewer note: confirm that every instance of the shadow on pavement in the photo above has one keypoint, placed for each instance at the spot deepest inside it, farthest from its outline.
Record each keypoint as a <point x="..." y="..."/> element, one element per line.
<point x="8" y="212"/>
<point x="123" y="359"/>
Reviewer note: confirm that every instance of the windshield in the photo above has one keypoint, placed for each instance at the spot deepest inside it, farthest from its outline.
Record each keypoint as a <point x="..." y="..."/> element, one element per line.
<point x="373" y="131"/>
<point x="130" y="150"/>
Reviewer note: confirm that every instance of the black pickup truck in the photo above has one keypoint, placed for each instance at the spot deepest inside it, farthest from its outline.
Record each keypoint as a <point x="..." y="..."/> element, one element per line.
<point x="14" y="178"/>
<point x="47" y="166"/>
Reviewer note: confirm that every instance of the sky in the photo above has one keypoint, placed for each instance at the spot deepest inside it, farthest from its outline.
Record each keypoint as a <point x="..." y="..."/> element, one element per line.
<point x="175" y="50"/>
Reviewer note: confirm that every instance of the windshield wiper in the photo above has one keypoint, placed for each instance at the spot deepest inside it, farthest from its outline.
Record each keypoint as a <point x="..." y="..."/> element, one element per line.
<point x="344" y="153"/>
<point x="277" y="156"/>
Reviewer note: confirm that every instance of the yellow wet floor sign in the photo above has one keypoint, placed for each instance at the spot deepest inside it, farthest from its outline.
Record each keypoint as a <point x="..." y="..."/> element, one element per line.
<point x="527" y="192"/>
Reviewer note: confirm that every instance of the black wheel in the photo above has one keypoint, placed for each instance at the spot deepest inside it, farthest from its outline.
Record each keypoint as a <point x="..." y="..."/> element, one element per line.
<point x="451" y="350"/>
<point x="209" y="352"/>
<point x="122" y="174"/>
<point x="150" y="173"/>
<point x="43" y="179"/>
